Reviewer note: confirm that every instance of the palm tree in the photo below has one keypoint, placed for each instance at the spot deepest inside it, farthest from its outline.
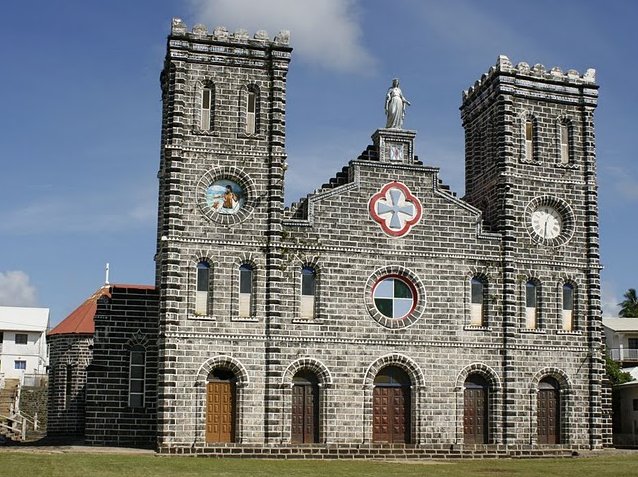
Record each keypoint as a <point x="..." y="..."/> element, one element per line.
<point x="629" y="306"/>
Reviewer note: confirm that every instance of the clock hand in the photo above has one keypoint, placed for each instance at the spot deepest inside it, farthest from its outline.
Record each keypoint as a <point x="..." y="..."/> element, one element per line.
<point x="545" y="228"/>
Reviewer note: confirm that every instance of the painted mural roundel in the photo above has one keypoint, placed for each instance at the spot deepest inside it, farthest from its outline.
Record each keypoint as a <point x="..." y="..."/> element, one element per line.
<point x="226" y="195"/>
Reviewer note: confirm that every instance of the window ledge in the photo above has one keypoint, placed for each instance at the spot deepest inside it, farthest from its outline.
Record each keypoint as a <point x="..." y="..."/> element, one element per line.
<point x="202" y="317"/>
<point x="204" y="132"/>
<point x="570" y="165"/>
<point x="477" y="328"/>
<point x="528" y="161"/>
<point x="307" y="321"/>
<point x="564" y="332"/>
<point x="533" y="331"/>
<point x="244" y="135"/>
<point x="251" y="319"/>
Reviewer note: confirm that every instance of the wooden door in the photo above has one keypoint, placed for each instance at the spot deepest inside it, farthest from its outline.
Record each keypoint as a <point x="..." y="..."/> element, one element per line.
<point x="391" y="414"/>
<point x="305" y="414"/>
<point x="475" y="422"/>
<point x="220" y="412"/>
<point x="548" y="416"/>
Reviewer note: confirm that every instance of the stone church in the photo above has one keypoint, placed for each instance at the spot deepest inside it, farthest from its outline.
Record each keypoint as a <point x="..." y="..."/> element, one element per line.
<point x="379" y="313"/>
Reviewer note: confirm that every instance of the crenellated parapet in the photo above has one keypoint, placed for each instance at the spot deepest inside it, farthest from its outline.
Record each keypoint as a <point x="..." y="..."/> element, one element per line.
<point x="537" y="72"/>
<point x="220" y="33"/>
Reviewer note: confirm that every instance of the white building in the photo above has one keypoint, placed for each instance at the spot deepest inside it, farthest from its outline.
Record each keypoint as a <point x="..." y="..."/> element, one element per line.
<point x="23" y="346"/>
<point x="621" y="337"/>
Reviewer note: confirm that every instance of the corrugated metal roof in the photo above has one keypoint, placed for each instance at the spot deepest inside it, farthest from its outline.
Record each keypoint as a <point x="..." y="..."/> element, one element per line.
<point x="81" y="320"/>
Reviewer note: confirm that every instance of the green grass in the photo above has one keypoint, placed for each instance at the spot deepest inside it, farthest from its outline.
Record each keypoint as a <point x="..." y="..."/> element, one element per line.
<point x="19" y="464"/>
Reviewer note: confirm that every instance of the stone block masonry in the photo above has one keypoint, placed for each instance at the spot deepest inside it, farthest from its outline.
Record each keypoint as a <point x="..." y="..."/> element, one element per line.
<point x="381" y="314"/>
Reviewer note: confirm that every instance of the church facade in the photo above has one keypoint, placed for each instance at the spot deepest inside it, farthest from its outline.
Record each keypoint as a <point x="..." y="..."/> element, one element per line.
<point x="381" y="309"/>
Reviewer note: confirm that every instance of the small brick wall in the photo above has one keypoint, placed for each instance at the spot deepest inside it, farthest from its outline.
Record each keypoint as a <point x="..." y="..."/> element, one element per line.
<point x="128" y="319"/>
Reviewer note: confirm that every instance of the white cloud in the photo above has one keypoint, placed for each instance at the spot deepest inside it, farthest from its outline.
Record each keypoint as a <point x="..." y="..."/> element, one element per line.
<point x="609" y="300"/>
<point x="15" y="289"/>
<point x="87" y="212"/>
<point x="324" y="32"/>
<point x="623" y="181"/>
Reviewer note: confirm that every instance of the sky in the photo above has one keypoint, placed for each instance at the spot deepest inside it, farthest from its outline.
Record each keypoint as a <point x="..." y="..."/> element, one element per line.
<point x="80" y="114"/>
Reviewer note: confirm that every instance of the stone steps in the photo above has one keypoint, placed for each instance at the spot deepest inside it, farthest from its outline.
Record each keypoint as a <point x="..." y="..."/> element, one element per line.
<point x="371" y="451"/>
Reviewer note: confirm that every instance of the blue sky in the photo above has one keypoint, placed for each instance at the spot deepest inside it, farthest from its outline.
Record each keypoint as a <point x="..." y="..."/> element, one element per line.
<point x="80" y="122"/>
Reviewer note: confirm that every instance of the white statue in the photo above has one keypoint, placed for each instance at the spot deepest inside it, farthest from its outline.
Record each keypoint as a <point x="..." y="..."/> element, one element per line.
<point x="395" y="106"/>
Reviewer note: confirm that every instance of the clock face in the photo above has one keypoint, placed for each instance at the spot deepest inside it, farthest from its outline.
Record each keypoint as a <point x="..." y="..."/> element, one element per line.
<point x="547" y="222"/>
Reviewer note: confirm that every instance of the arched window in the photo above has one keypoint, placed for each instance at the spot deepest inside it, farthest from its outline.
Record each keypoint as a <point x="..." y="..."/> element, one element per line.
<point x="308" y="290"/>
<point x="251" y="112"/>
<point x="531" y="305"/>
<point x="568" y="307"/>
<point x="563" y="132"/>
<point x="203" y="287"/>
<point x="529" y="140"/>
<point x="245" y="290"/>
<point x="477" y="306"/>
<point x="137" y="374"/>
<point x="207" y="108"/>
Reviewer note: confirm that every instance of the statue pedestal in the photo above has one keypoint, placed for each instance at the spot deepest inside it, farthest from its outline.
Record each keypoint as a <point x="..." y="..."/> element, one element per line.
<point x="395" y="146"/>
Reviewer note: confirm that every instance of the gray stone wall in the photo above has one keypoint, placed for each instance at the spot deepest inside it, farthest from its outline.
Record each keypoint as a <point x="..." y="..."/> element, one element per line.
<point x="69" y="357"/>
<point x="506" y="186"/>
<point x="347" y="343"/>
<point x="126" y="321"/>
<point x="192" y="159"/>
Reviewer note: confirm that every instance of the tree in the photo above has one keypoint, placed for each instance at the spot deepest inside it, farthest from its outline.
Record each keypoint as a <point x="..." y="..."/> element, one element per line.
<point x="629" y="306"/>
<point x="615" y="374"/>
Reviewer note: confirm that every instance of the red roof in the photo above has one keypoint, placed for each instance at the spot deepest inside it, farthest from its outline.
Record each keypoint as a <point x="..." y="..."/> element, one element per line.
<point x="80" y="321"/>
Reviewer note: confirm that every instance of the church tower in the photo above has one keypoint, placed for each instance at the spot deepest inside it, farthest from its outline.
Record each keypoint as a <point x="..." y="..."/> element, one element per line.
<point x="220" y="205"/>
<point x="531" y="170"/>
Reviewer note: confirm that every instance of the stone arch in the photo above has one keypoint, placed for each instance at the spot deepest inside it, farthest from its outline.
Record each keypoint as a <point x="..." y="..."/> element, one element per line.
<point x="400" y="361"/>
<point x="493" y="401"/>
<point x="417" y="387"/>
<point x="248" y="258"/>
<point x="309" y="364"/>
<point x="552" y="372"/>
<point x="484" y="370"/>
<point x="223" y="361"/>
<point x="200" y="384"/>
<point x="138" y="339"/>
<point x="566" y="405"/>
<point x="323" y="410"/>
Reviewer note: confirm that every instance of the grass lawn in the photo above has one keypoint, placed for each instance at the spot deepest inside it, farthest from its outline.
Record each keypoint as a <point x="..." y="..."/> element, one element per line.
<point x="40" y="464"/>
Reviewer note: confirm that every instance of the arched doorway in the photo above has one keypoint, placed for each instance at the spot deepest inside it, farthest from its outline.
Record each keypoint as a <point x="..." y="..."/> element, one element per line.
<point x="548" y="411"/>
<point x="305" y="408"/>
<point x="221" y="406"/>
<point x="476" y="410"/>
<point x="391" y="406"/>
